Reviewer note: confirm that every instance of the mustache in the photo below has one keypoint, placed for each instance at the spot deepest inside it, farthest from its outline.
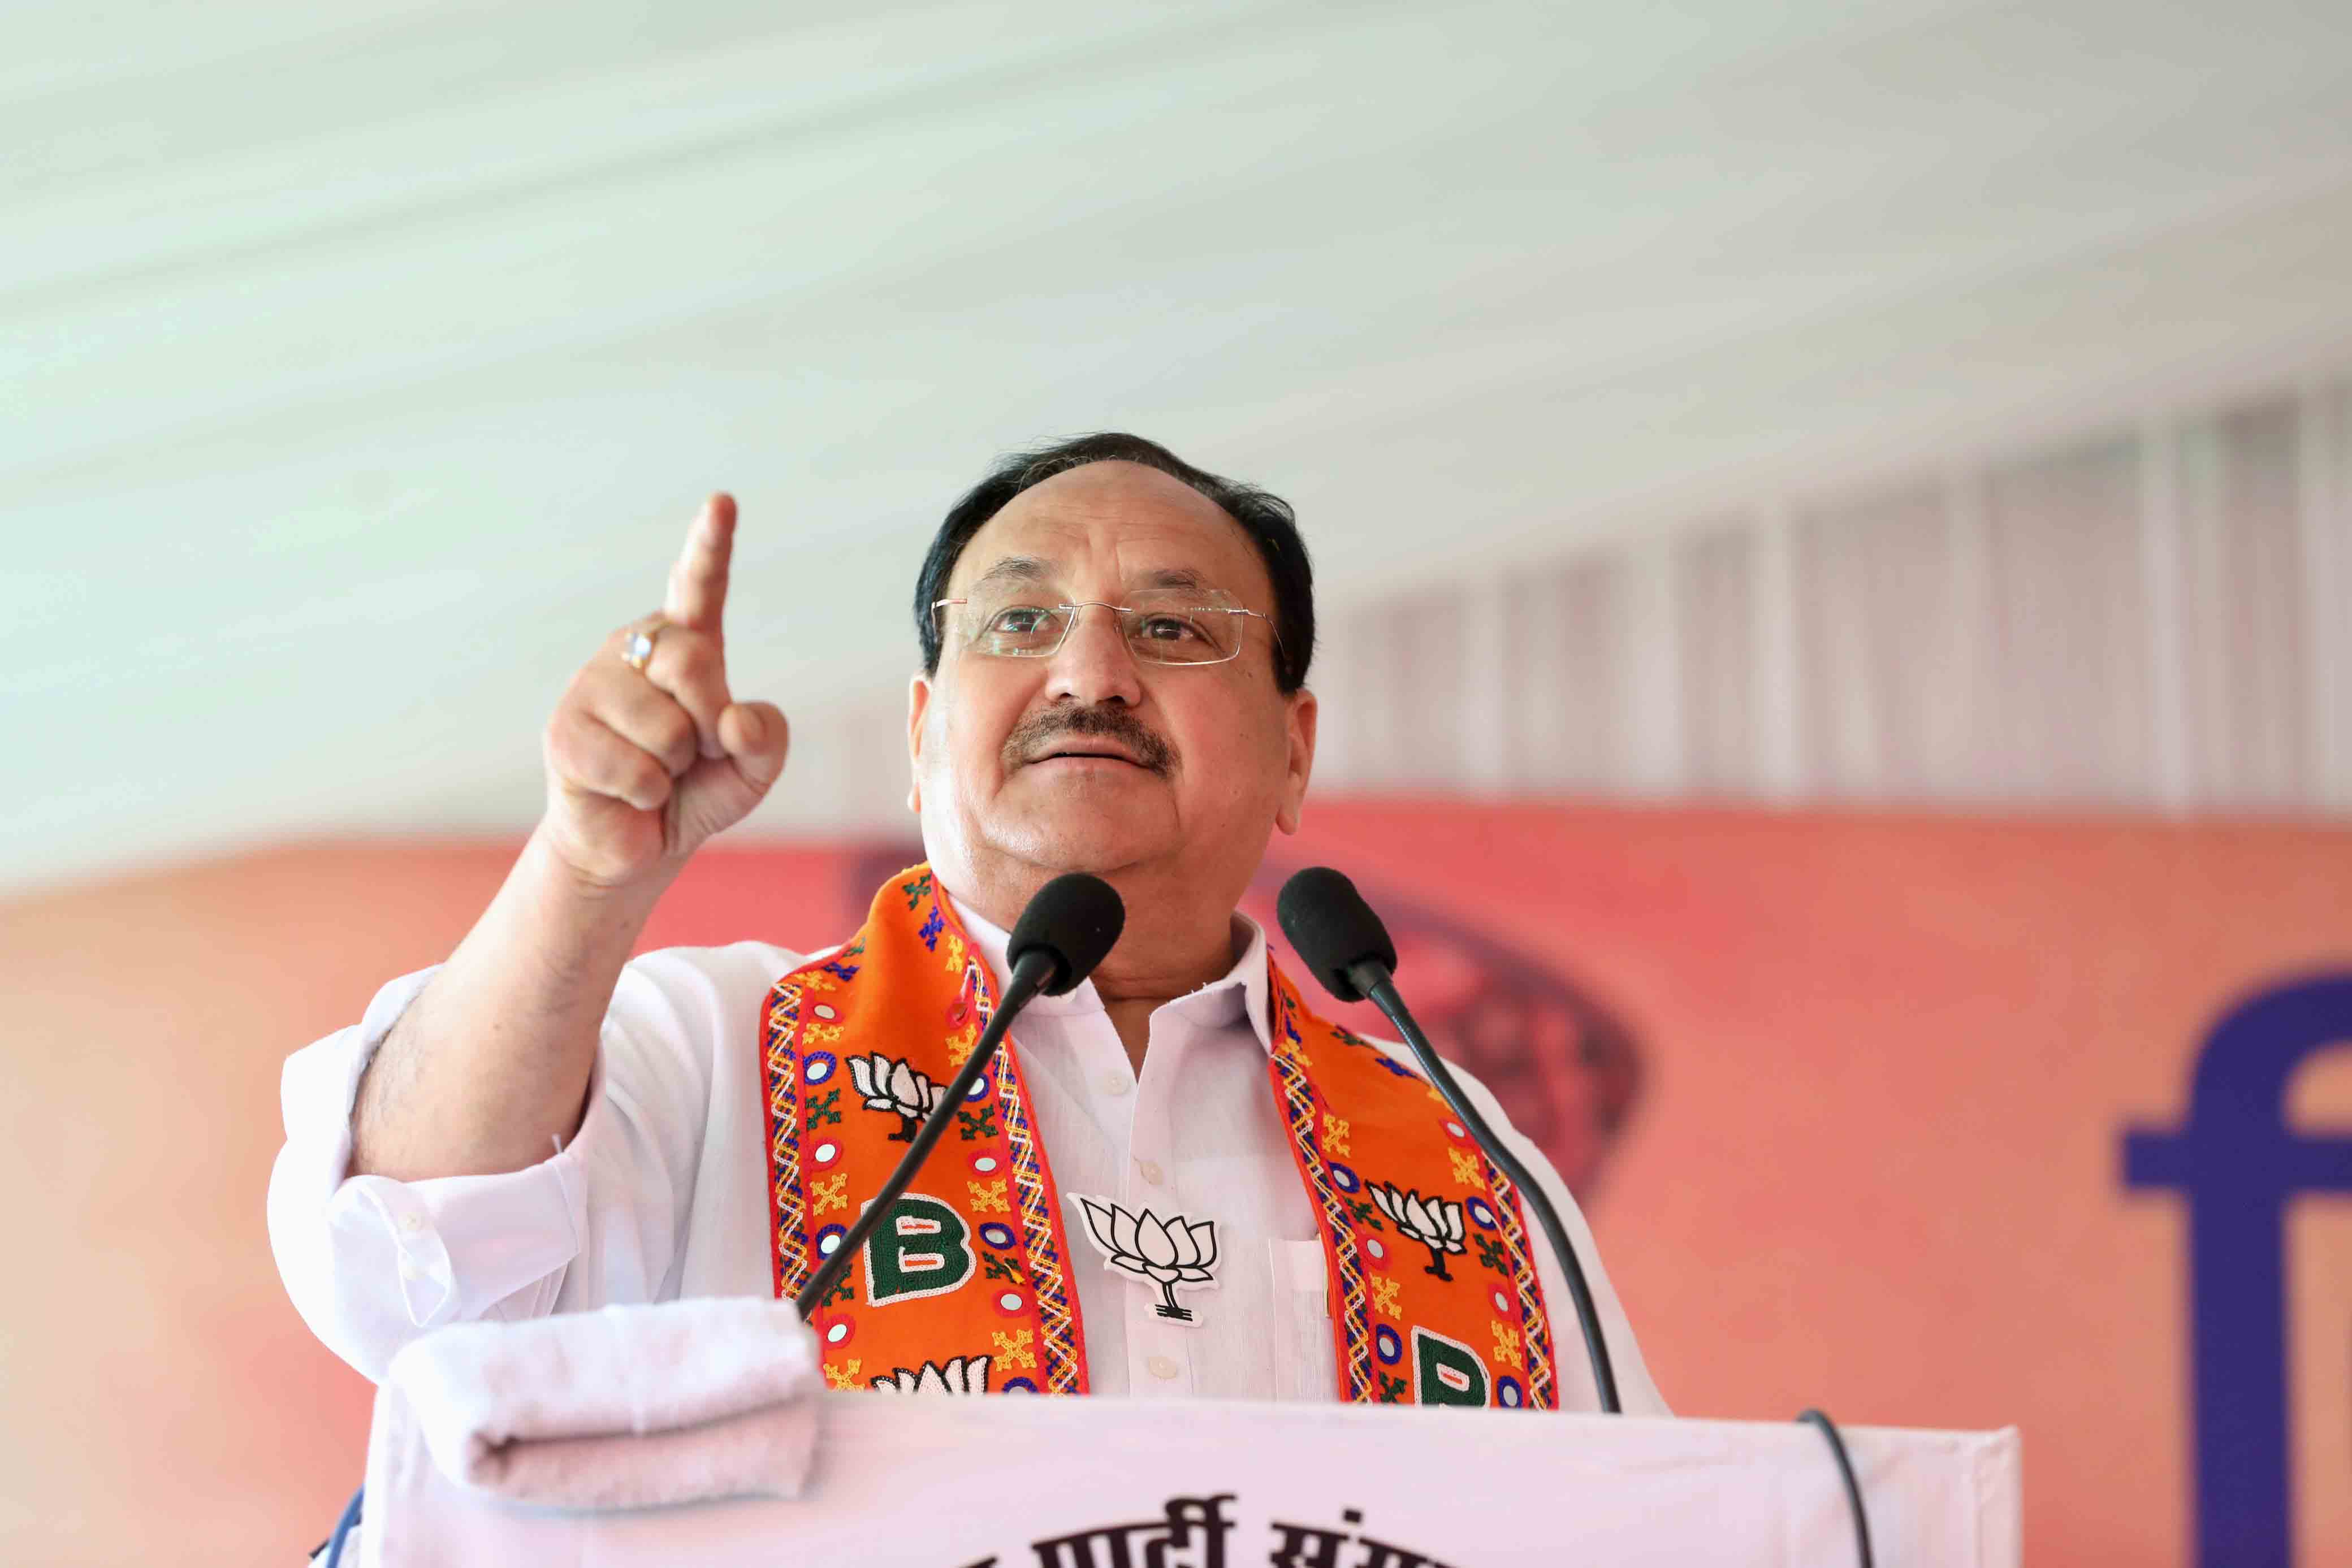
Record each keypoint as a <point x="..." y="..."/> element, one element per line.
<point x="1033" y="736"/>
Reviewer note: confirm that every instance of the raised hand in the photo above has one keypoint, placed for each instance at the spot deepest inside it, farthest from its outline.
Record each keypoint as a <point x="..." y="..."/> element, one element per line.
<point x="644" y="766"/>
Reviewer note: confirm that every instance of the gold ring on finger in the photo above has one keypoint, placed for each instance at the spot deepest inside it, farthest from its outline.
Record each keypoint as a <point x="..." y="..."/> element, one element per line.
<point x="639" y="648"/>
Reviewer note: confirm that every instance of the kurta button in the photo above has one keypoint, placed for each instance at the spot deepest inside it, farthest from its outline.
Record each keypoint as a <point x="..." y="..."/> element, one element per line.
<point x="1150" y="1173"/>
<point x="1115" y="1083"/>
<point x="1161" y="1368"/>
<point x="412" y="1223"/>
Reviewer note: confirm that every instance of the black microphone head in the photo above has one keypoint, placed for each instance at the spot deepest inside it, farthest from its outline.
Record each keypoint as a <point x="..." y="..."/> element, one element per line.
<point x="1332" y="927"/>
<point x="1076" y="918"/>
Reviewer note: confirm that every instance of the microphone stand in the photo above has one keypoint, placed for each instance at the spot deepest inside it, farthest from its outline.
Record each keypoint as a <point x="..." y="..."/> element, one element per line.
<point x="1374" y="979"/>
<point x="1031" y="971"/>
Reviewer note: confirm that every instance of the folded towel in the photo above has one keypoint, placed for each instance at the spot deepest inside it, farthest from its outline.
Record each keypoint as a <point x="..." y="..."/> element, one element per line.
<point x="622" y="1408"/>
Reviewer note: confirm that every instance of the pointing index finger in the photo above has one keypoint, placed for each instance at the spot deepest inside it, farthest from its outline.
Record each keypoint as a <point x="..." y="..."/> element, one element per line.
<point x="697" y="583"/>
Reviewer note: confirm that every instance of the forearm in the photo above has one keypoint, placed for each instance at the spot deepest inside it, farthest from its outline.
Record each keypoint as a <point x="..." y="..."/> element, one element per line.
<point x="490" y="1065"/>
<point x="648" y="756"/>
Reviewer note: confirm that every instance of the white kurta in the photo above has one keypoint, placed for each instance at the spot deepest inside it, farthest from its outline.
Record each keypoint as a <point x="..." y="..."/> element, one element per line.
<point x="663" y="1193"/>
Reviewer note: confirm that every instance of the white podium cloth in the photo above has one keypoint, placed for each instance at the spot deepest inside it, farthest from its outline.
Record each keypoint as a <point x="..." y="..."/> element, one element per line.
<point x="622" y="1406"/>
<point x="1103" y="1483"/>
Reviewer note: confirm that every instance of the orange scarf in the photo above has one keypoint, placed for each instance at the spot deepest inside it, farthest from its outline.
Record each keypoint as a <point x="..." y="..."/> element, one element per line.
<point x="966" y="1287"/>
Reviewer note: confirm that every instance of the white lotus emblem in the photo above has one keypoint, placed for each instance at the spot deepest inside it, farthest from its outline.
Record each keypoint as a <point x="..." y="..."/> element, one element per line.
<point x="1168" y="1252"/>
<point x="890" y="1085"/>
<point x="962" y="1374"/>
<point x="1434" y="1222"/>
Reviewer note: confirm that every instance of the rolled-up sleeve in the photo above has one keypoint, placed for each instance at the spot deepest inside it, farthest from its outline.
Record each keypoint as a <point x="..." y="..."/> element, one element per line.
<point x="373" y="1263"/>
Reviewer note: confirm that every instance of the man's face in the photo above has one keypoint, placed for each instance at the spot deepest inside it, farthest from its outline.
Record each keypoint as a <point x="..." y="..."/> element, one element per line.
<point x="1094" y="759"/>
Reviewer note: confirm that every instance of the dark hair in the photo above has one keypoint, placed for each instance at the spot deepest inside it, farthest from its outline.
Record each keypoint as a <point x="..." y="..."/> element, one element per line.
<point x="1268" y="520"/>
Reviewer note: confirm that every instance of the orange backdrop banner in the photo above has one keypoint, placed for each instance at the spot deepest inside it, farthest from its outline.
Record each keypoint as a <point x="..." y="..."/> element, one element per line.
<point x="1926" y="1121"/>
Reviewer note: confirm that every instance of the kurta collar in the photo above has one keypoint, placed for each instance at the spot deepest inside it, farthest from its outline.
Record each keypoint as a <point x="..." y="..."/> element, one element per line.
<point x="1240" y="995"/>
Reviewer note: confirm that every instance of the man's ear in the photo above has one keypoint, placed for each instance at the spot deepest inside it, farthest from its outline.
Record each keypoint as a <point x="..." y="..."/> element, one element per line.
<point x="1300" y="723"/>
<point x="918" y="702"/>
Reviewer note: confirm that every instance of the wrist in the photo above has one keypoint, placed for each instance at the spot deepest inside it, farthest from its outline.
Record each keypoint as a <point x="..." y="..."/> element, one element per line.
<point x="559" y="879"/>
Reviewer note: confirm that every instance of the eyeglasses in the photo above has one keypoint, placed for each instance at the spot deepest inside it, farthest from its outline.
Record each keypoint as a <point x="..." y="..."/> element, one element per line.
<point x="1164" y="626"/>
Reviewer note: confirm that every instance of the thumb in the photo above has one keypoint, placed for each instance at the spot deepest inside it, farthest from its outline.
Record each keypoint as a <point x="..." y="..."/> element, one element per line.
<point x="756" y="736"/>
<point x="718" y="792"/>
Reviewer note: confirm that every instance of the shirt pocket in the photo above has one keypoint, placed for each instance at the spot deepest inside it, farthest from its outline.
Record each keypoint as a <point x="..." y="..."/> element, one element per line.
<point x="1304" y="1364"/>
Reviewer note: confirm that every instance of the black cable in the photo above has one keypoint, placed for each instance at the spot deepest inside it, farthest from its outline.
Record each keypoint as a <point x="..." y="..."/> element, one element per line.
<point x="1845" y="1471"/>
<point x="343" y="1528"/>
<point x="1374" y="982"/>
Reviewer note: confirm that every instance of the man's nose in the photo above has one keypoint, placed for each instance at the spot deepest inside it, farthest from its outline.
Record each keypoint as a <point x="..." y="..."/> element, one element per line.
<point x="1094" y="663"/>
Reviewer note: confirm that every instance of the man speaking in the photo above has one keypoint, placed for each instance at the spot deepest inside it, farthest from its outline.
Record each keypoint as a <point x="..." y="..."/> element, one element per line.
<point x="1175" y="1180"/>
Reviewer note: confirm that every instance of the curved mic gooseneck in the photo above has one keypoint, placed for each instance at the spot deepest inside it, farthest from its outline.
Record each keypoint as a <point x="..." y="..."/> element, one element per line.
<point x="1339" y="938"/>
<point x="1070" y="927"/>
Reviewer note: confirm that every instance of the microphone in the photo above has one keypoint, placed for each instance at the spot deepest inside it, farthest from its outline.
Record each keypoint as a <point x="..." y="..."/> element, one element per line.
<point x="1070" y="927"/>
<point x="1344" y="943"/>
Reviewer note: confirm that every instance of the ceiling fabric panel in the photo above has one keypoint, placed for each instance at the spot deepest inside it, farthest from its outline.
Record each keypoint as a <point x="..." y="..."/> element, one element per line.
<point x="361" y="366"/>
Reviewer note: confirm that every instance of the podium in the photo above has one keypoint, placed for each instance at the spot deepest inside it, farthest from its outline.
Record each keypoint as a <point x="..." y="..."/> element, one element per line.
<point x="960" y="1482"/>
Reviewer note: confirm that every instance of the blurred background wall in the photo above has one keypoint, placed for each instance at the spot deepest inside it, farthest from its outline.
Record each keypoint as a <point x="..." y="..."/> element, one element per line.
<point x="1833" y="524"/>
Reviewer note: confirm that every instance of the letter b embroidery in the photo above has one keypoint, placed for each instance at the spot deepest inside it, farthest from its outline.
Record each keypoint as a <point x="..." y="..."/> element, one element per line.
<point x="922" y="1249"/>
<point x="1445" y="1370"/>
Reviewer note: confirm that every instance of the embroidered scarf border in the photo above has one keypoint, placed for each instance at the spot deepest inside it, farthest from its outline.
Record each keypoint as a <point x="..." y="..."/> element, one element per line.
<point x="1352" y="1326"/>
<point x="1061" y="1341"/>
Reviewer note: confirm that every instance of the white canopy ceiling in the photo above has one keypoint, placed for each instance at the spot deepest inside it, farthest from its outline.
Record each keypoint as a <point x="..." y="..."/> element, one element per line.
<point x="364" y="362"/>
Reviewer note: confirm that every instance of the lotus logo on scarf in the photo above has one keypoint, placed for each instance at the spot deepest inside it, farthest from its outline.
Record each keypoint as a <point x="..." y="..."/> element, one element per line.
<point x="1167" y="1252"/>
<point x="961" y="1374"/>
<point x="890" y="1085"/>
<point x="1434" y="1222"/>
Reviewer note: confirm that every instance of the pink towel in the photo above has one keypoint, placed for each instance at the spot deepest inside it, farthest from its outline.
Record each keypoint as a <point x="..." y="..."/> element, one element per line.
<point x="622" y="1408"/>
